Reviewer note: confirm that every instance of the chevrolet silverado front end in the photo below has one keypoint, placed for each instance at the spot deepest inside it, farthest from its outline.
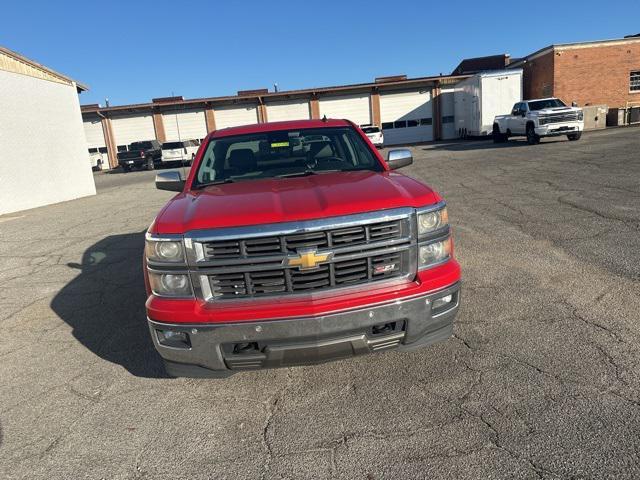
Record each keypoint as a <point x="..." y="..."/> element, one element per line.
<point x="294" y="243"/>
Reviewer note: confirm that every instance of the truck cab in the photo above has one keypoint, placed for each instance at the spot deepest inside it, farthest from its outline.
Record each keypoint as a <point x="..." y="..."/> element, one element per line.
<point x="292" y="243"/>
<point x="539" y="118"/>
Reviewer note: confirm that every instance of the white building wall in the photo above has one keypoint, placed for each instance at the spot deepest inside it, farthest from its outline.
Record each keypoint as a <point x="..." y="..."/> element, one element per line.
<point x="43" y="150"/>
<point x="190" y="125"/>
<point x="288" y="110"/>
<point x="356" y="108"/>
<point x="93" y="133"/>
<point x="235" y="116"/>
<point x="406" y="116"/>
<point x="131" y="128"/>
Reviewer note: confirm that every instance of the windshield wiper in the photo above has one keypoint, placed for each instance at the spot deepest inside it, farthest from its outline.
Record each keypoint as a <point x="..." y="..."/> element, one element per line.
<point x="306" y="173"/>
<point x="214" y="182"/>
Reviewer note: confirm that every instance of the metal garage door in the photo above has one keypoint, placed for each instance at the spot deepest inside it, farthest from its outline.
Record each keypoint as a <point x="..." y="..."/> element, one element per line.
<point x="288" y="110"/>
<point x="406" y="117"/>
<point x="133" y="128"/>
<point x="352" y="107"/>
<point x="190" y="125"/>
<point x="236" y="116"/>
<point x="448" y="120"/>
<point x="93" y="133"/>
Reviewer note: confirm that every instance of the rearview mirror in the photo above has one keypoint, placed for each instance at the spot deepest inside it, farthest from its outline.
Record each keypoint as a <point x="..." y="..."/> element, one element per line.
<point x="398" y="158"/>
<point x="171" y="181"/>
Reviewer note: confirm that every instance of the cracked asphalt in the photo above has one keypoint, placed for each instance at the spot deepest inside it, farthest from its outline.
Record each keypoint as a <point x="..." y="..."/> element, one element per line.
<point x="541" y="380"/>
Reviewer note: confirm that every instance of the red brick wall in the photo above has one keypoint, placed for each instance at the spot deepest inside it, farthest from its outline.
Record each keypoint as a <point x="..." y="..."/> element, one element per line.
<point x="596" y="75"/>
<point x="538" y="77"/>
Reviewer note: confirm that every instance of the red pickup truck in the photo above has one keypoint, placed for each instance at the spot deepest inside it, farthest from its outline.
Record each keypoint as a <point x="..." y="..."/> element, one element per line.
<point x="293" y="243"/>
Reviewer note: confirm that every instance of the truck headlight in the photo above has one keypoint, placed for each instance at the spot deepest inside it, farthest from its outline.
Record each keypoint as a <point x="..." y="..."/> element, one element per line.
<point x="170" y="284"/>
<point x="433" y="253"/>
<point x="164" y="251"/>
<point x="580" y="115"/>
<point x="431" y="221"/>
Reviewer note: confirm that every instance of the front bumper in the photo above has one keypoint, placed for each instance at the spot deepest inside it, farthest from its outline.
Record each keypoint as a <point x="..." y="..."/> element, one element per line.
<point x="554" y="129"/>
<point x="218" y="350"/>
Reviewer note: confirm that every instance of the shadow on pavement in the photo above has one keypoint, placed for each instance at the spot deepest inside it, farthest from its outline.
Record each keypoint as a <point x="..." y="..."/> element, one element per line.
<point x="104" y="305"/>
<point x="462" y="145"/>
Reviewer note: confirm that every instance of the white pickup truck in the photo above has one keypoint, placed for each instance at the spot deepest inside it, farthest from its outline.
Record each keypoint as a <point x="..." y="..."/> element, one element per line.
<point x="538" y="118"/>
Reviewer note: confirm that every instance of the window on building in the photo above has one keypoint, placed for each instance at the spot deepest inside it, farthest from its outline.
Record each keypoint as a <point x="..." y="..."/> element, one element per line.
<point x="400" y="124"/>
<point x="634" y="81"/>
<point x="387" y="126"/>
<point x="426" y="121"/>
<point x="102" y="149"/>
<point x="412" y="123"/>
<point x="447" y="119"/>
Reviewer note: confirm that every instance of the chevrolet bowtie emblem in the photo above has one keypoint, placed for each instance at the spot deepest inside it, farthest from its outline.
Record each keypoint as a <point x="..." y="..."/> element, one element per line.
<point x="307" y="259"/>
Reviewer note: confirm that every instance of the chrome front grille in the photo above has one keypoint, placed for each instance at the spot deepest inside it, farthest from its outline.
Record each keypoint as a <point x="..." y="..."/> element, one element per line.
<point x="559" y="117"/>
<point x="340" y="237"/>
<point x="287" y="280"/>
<point x="251" y="262"/>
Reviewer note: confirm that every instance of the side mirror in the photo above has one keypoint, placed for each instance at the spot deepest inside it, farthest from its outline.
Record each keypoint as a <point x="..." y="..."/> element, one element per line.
<point x="398" y="158"/>
<point x="171" y="181"/>
<point x="185" y="149"/>
<point x="523" y="114"/>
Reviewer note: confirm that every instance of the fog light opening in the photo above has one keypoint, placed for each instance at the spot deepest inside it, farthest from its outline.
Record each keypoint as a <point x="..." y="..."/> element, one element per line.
<point x="173" y="338"/>
<point x="382" y="329"/>
<point x="443" y="304"/>
<point x="247" y="347"/>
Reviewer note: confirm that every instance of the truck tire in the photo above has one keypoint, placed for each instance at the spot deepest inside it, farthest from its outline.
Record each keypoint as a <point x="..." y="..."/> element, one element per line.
<point x="126" y="168"/>
<point x="497" y="136"/>
<point x="150" y="164"/>
<point x="574" y="136"/>
<point x="532" y="138"/>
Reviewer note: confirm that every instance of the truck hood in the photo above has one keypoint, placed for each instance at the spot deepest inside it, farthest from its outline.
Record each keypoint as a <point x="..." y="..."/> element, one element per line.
<point x="255" y="202"/>
<point x="546" y="111"/>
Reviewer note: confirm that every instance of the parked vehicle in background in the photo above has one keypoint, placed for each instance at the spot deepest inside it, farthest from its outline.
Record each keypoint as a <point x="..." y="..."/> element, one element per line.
<point x="374" y="133"/>
<point x="96" y="160"/>
<point x="478" y="99"/>
<point x="179" y="152"/>
<point x="146" y="154"/>
<point x="539" y="118"/>
<point x="293" y="243"/>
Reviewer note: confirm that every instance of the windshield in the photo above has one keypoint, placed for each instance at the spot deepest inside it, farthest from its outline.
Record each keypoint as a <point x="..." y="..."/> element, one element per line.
<point x="171" y="145"/>
<point x="370" y="129"/>
<point x="550" y="103"/>
<point x="140" y="146"/>
<point x="285" y="153"/>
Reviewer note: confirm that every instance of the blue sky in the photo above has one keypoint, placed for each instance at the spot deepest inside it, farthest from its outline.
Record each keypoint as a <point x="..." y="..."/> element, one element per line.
<point x="136" y="50"/>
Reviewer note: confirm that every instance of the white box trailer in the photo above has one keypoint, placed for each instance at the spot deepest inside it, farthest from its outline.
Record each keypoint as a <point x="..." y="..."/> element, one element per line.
<point x="478" y="99"/>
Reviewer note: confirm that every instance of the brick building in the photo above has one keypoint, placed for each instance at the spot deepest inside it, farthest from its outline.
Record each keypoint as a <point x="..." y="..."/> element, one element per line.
<point x="589" y="73"/>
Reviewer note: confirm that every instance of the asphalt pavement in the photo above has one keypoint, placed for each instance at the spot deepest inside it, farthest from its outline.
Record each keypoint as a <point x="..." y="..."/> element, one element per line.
<point x="541" y="379"/>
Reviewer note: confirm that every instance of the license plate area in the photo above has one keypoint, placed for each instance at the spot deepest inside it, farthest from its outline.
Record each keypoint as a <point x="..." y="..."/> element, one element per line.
<point x="255" y="355"/>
